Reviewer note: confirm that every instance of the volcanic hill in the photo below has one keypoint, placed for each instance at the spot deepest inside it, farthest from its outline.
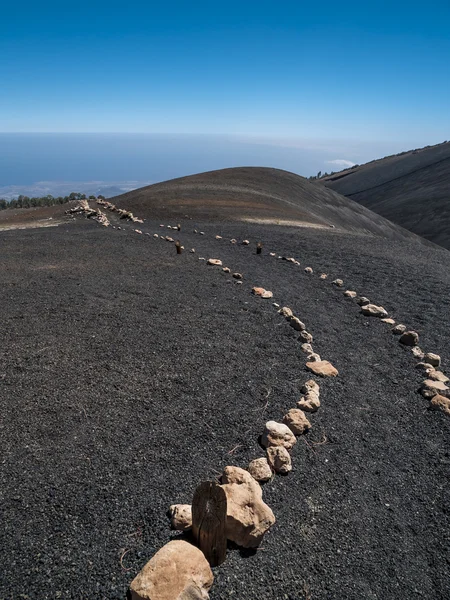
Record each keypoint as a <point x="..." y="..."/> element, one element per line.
<point x="130" y="373"/>
<point x="411" y="189"/>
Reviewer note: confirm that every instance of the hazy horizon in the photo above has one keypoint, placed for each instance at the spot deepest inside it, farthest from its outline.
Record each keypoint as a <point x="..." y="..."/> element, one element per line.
<point x="55" y="163"/>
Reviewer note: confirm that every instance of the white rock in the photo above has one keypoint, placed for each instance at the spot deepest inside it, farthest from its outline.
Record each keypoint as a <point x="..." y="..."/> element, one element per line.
<point x="277" y="434"/>
<point x="260" y="470"/>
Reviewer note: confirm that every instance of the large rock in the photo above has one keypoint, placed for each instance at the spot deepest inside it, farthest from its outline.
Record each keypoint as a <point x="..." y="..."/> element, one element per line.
<point x="296" y="420"/>
<point x="277" y="434"/>
<point x="439" y="402"/>
<point x="433" y="359"/>
<point x="372" y="310"/>
<point x="437" y="375"/>
<point x="260" y="470"/>
<point x="180" y="517"/>
<point x="323" y="368"/>
<point x="178" y="571"/>
<point x="409" y="338"/>
<point x="279" y="459"/>
<point x="248" y="517"/>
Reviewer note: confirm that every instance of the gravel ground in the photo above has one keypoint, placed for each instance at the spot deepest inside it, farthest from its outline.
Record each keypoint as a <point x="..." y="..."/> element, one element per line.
<point x="129" y="374"/>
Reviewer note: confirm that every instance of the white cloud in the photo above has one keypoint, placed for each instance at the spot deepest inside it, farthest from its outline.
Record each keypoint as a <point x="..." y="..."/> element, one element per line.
<point x="340" y="162"/>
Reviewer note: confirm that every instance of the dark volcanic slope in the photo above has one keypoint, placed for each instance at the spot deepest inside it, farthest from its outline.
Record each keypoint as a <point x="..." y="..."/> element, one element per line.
<point x="255" y="193"/>
<point x="128" y="374"/>
<point x="411" y="189"/>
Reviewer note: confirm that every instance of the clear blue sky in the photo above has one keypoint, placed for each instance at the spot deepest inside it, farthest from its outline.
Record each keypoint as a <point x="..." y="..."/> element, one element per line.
<point x="372" y="70"/>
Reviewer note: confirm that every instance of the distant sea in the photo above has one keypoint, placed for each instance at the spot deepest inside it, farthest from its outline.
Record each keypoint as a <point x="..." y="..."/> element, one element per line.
<point x="58" y="163"/>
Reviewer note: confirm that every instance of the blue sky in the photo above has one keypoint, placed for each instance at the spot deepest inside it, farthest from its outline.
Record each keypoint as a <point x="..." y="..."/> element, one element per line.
<point x="359" y="70"/>
<point x="368" y="73"/>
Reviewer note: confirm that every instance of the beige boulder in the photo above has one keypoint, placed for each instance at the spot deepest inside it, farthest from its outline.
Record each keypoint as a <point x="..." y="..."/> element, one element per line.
<point x="218" y="237"/>
<point x="296" y="324"/>
<point x="372" y="310"/>
<point x="245" y="242"/>
<point x="433" y="359"/>
<point x="308" y="270"/>
<point x="277" y="434"/>
<point x="260" y="470"/>
<point x="313" y="357"/>
<point x="323" y="368"/>
<point x="323" y="276"/>
<point x="180" y="517"/>
<point x="310" y="401"/>
<point x="214" y="261"/>
<point x="389" y="321"/>
<point x="430" y="388"/>
<point x="338" y="282"/>
<point x="296" y="420"/>
<point x="409" y="338"/>
<point x="418" y="352"/>
<point x="226" y="270"/>
<point x="307" y="348"/>
<point x="399" y="329"/>
<point x="424" y="366"/>
<point x="439" y="402"/>
<point x="350" y="294"/>
<point x="248" y="517"/>
<point x="279" y="459"/>
<point x="178" y="571"/>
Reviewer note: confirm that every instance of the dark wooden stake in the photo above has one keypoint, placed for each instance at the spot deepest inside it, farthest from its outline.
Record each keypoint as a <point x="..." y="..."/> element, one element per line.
<point x="258" y="248"/>
<point x="209" y="515"/>
<point x="179" y="227"/>
<point x="178" y="246"/>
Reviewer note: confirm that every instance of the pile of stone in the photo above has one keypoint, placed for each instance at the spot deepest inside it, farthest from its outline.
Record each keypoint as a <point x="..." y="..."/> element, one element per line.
<point x="90" y="213"/>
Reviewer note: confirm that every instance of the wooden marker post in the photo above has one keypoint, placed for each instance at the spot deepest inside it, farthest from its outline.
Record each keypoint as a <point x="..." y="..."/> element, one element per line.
<point x="258" y="248"/>
<point x="209" y="515"/>
<point x="178" y="246"/>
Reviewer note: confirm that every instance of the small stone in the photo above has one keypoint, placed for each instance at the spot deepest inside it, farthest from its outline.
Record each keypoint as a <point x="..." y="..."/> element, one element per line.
<point x="180" y="517"/>
<point x="277" y="434"/>
<point x="308" y="270"/>
<point x="399" y="329"/>
<point x="237" y="275"/>
<point x="272" y="254"/>
<point x="245" y="242"/>
<point x="350" y="294"/>
<point x="338" y="282"/>
<point x="372" y="310"/>
<point x="260" y="470"/>
<point x="323" y="276"/>
<point x="418" y="352"/>
<point x="296" y="420"/>
<point x="439" y="402"/>
<point x="306" y="337"/>
<point x="202" y="233"/>
<point x="279" y="459"/>
<point x="362" y="301"/>
<point x="259" y="291"/>
<point x="424" y="366"/>
<point x="314" y="357"/>
<point x="307" y="348"/>
<point x="215" y="262"/>
<point x="169" y="226"/>
<point x="178" y="570"/>
<point x="169" y="239"/>
<point x="154" y="235"/>
<point x="161" y="225"/>
<point x="437" y="375"/>
<point x="240" y="283"/>
<point x="323" y="368"/>
<point x="226" y="270"/>
<point x="310" y="386"/>
<point x="309" y="403"/>
<point x="233" y="241"/>
<point x="430" y="388"/>
<point x="296" y="324"/>
<point x="218" y="237"/>
<point x="192" y="250"/>
<point x="388" y="321"/>
<point x="276" y="305"/>
<point x="409" y="338"/>
<point x="286" y="312"/>
<point x="433" y="359"/>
